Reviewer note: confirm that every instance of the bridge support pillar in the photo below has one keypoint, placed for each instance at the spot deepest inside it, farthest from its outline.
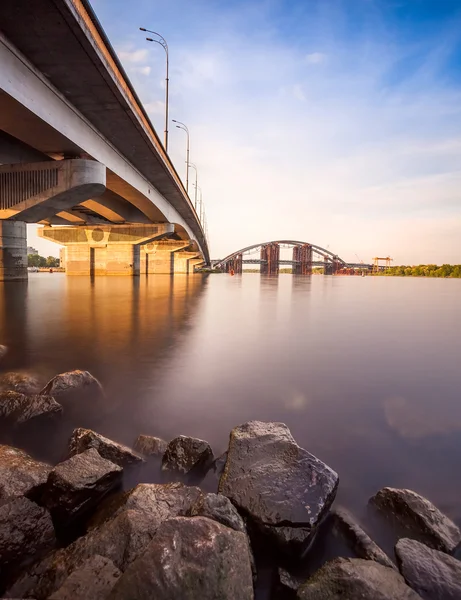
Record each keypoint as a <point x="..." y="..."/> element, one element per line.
<point x="270" y="255"/>
<point x="182" y="262"/>
<point x="159" y="257"/>
<point x="105" y="249"/>
<point x="13" y="251"/>
<point x="302" y="260"/>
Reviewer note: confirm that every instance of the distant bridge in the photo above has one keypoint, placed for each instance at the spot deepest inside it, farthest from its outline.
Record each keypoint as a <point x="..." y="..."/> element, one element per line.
<point x="305" y="256"/>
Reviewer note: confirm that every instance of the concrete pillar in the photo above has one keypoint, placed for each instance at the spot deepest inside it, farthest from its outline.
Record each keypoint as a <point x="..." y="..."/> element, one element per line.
<point x="193" y="262"/>
<point x="159" y="257"/>
<point x="182" y="262"/>
<point x="13" y="251"/>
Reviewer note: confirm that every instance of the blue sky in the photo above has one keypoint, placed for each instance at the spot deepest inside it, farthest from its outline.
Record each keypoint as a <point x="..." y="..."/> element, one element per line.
<point x="336" y="122"/>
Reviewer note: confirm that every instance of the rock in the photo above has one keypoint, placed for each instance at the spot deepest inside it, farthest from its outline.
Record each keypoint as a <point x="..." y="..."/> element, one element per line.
<point x="18" y="409"/>
<point x="190" y="558"/>
<point x="3" y="351"/>
<point x="26" y="530"/>
<point x="219" y="508"/>
<point x="77" y="484"/>
<point x="433" y="574"/>
<point x="287" y="581"/>
<point x="72" y="381"/>
<point x="150" y="446"/>
<point x="83" y="439"/>
<point x="419" y="517"/>
<point x="121" y="540"/>
<point x="24" y="383"/>
<point x="93" y="579"/>
<point x="158" y="502"/>
<point x="357" y="539"/>
<point x="219" y="464"/>
<point x="283" y="489"/>
<point x="354" y="578"/>
<point x="188" y="456"/>
<point x="20" y="474"/>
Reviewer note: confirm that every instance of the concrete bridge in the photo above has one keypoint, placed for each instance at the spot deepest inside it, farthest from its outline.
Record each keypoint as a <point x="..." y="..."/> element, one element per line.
<point x="305" y="256"/>
<point x="79" y="155"/>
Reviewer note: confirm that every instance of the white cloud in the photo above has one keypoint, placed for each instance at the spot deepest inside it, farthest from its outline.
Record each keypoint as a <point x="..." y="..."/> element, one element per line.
<point x="157" y="107"/>
<point x="142" y="70"/>
<point x="298" y="92"/>
<point x="133" y="56"/>
<point x="315" y="58"/>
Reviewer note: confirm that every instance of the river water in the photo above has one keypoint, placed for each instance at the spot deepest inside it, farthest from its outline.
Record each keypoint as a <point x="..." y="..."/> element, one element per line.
<point x="366" y="372"/>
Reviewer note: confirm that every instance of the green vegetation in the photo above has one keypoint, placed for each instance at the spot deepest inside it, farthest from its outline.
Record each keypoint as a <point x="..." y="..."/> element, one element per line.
<point x="40" y="262"/>
<point x="423" y="271"/>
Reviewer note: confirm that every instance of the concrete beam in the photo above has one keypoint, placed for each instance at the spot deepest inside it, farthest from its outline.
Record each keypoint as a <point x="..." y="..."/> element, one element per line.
<point x="13" y="251"/>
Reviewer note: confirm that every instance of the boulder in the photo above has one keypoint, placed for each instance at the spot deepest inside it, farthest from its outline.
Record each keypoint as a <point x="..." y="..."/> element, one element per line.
<point x="3" y="351"/>
<point x="77" y="484"/>
<point x="148" y="445"/>
<point x="121" y="540"/>
<point x="24" y="383"/>
<point x="363" y="546"/>
<point x="190" y="558"/>
<point x="418" y="517"/>
<point x="433" y="574"/>
<point x="282" y="488"/>
<point x="93" y="579"/>
<point x="26" y="530"/>
<point x="158" y="502"/>
<point x="83" y="439"/>
<point x="20" y="474"/>
<point x="70" y="382"/>
<point x="287" y="582"/>
<point x="354" y="578"/>
<point x="219" y="508"/>
<point x="188" y="456"/>
<point x="18" y="409"/>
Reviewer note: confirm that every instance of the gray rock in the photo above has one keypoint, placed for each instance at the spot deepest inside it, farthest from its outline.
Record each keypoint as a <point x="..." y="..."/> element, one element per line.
<point x="26" y="530"/>
<point x="158" y="502"/>
<point x="24" y="383"/>
<point x="284" y="490"/>
<point x="287" y="581"/>
<point x="190" y="558"/>
<point x="354" y="578"/>
<point x="357" y="539"/>
<point x="72" y="381"/>
<point x="20" y="474"/>
<point x="148" y="445"/>
<point x="3" y="351"/>
<point x="418" y="517"/>
<point x="83" y="439"/>
<point x="219" y="508"/>
<point x="433" y="574"/>
<point x="18" y="409"/>
<point x="94" y="579"/>
<point x="121" y="540"/>
<point x="188" y="456"/>
<point x="77" y="484"/>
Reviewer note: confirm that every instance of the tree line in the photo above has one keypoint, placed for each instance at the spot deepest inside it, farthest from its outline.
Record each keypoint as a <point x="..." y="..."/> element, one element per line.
<point x="40" y="262"/>
<point x="423" y="271"/>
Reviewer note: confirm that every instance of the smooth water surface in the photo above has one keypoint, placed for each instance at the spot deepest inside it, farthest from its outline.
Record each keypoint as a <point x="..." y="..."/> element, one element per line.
<point x="366" y="372"/>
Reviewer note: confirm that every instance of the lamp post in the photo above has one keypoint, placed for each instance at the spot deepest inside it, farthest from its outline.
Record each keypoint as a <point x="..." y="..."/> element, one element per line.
<point x="195" y="200"/>
<point x="201" y="201"/>
<point x="162" y="42"/>
<point x="185" y="128"/>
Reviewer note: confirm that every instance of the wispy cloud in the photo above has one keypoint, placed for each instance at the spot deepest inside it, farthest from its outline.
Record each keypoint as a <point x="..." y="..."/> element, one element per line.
<point x="133" y="56"/>
<point x="315" y="58"/>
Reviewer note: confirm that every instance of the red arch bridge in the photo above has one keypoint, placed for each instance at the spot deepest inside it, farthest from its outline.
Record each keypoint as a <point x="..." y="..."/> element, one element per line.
<point x="305" y="256"/>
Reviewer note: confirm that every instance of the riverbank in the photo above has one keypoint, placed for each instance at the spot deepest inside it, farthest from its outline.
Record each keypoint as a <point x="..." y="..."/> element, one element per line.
<point x="169" y="519"/>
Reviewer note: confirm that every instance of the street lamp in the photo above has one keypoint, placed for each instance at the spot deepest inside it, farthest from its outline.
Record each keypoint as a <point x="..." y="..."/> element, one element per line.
<point x="202" y="212"/>
<point x="184" y="128"/>
<point x="162" y="42"/>
<point x="194" y="167"/>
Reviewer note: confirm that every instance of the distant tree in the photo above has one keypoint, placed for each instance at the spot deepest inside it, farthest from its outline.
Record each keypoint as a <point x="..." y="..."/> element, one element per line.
<point x="33" y="260"/>
<point x="51" y="261"/>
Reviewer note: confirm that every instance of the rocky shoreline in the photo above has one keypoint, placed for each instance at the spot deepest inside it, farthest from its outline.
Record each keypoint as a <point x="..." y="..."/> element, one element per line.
<point x="70" y="530"/>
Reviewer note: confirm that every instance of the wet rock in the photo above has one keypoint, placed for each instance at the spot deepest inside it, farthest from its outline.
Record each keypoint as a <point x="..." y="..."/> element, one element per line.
<point x="20" y="474"/>
<point x="288" y="583"/>
<point x="18" y="409"/>
<point x="24" y="383"/>
<point x="284" y="490"/>
<point x="77" y="484"/>
<point x="94" y="579"/>
<point x="190" y="558"/>
<point x="158" y="502"/>
<point x="354" y="578"/>
<point x="148" y="445"/>
<point x="83" y="439"/>
<point x="433" y="574"/>
<point x="357" y="539"/>
<point x="419" y="517"/>
<point x="121" y="540"/>
<point x="70" y="382"/>
<point x="219" y="508"/>
<point x="219" y="464"/>
<point x="188" y="456"/>
<point x="3" y="351"/>
<point x="26" y="530"/>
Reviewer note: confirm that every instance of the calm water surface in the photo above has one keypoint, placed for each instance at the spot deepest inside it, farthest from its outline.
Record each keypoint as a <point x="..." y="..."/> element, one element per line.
<point x="365" y="371"/>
